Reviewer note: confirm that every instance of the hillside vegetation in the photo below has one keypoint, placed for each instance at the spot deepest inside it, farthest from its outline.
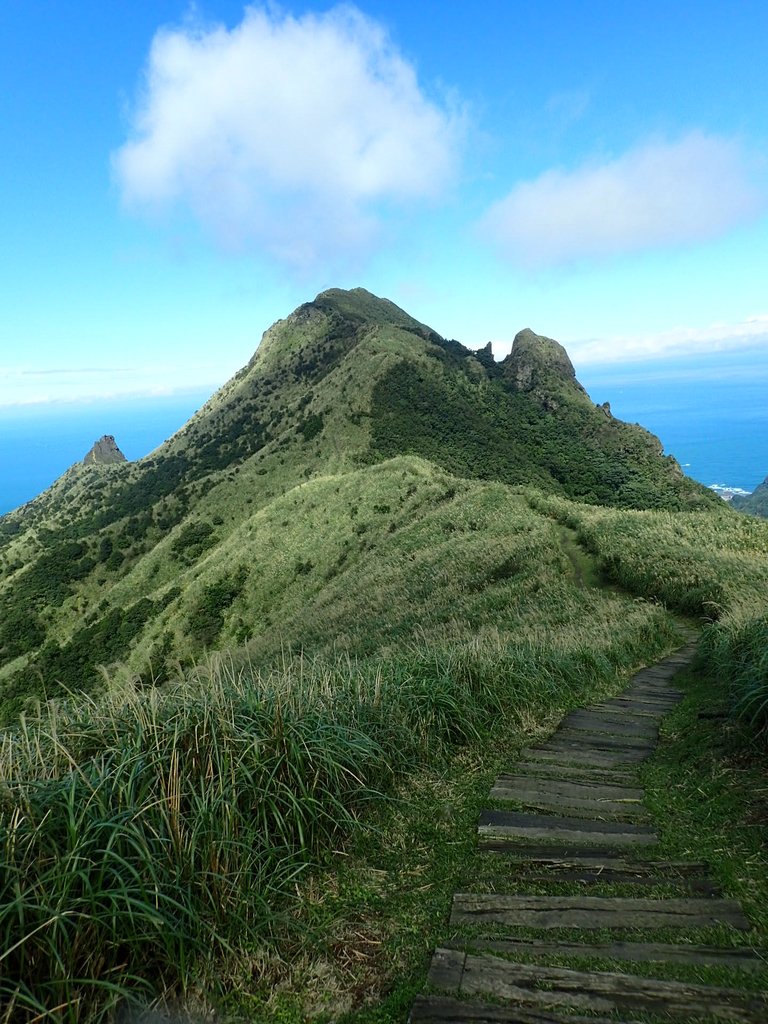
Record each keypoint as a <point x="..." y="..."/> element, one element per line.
<point x="370" y="553"/>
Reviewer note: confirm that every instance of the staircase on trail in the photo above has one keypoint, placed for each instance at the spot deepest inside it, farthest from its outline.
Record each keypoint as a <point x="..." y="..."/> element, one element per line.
<point x="584" y="826"/>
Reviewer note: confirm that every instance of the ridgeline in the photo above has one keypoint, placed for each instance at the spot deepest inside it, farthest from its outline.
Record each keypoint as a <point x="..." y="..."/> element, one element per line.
<point x="360" y="560"/>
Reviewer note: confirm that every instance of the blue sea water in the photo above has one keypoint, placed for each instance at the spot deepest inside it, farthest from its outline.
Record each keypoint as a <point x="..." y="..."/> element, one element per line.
<point x="37" y="444"/>
<point x="710" y="412"/>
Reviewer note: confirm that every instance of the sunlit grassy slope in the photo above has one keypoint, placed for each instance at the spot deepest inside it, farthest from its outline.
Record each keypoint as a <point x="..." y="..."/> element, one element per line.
<point x="361" y="557"/>
<point x="152" y="836"/>
<point x="208" y="540"/>
<point x="711" y="564"/>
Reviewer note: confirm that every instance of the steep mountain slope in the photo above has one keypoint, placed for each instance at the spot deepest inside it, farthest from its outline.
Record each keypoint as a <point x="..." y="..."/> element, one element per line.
<point x="205" y="540"/>
<point x="756" y="503"/>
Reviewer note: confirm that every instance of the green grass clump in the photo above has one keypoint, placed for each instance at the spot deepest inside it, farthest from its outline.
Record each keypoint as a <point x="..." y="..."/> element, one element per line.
<point x="148" y="837"/>
<point x="709" y="564"/>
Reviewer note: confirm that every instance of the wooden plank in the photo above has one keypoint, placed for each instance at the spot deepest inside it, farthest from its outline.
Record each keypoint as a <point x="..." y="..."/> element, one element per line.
<point x="606" y="991"/>
<point x="503" y="818"/>
<point x="590" y="750"/>
<point x="742" y="958"/>
<point x="446" y="968"/>
<point x="615" y="725"/>
<point x="434" y="1009"/>
<point x="602" y="810"/>
<point x="590" y="912"/>
<point x="570" y="787"/>
<point x="602" y="741"/>
<point x="586" y="759"/>
<point x="544" y="769"/>
<point x="652" y="708"/>
<point x="563" y="855"/>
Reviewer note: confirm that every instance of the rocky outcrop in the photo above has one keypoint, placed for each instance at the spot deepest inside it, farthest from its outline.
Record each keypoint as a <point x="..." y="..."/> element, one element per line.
<point x="104" y="452"/>
<point x="541" y="367"/>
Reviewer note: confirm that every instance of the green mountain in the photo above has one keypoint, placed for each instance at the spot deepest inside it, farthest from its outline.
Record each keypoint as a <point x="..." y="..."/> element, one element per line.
<point x="756" y="503"/>
<point x="372" y="562"/>
<point x="150" y="563"/>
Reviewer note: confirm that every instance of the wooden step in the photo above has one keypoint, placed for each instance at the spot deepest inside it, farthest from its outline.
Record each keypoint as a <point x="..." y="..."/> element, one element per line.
<point x="575" y="788"/>
<point x="579" y="758"/>
<point x="590" y="912"/>
<point x="601" y="741"/>
<point x="741" y="959"/>
<point x="616" y="725"/>
<point x="568" y="829"/>
<point x="436" y="1009"/>
<point x="544" y="769"/>
<point x="540" y="986"/>
<point x="603" y="801"/>
<point x="591" y="857"/>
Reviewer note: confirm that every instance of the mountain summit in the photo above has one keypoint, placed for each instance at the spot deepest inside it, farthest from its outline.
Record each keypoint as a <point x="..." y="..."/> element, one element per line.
<point x="104" y="452"/>
<point x="351" y="419"/>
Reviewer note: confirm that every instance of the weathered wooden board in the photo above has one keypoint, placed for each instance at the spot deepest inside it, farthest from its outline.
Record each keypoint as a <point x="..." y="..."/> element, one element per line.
<point x="605" y="991"/>
<point x="570" y="787"/>
<point x="616" y="725"/>
<point x="742" y="959"/>
<point x="589" y="758"/>
<point x="448" y="1010"/>
<point x="588" y="856"/>
<point x="590" y="748"/>
<point x="537" y="795"/>
<point x="602" y="741"/>
<point x="568" y="830"/>
<point x="589" y="912"/>
<point x="653" y="709"/>
<point x="545" y="769"/>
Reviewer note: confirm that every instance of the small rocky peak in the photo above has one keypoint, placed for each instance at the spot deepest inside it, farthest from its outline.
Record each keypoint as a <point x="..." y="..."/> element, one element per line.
<point x="484" y="356"/>
<point x="539" y="365"/>
<point x="104" y="452"/>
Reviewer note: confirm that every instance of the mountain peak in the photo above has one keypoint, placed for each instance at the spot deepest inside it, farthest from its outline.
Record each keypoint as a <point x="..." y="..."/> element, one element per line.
<point x="104" y="452"/>
<point x="539" y="365"/>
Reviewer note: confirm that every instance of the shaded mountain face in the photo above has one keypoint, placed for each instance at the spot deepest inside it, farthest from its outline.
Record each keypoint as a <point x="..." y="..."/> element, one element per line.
<point x="143" y="562"/>
<point x="756" y="503"/>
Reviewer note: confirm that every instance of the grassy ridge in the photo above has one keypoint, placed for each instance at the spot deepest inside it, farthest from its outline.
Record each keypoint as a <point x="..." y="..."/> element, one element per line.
<point x="152" y="836"/>
<point x="712" y="564"/>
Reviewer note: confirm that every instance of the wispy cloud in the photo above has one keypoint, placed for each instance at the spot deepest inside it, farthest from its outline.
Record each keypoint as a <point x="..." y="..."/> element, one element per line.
<point x="748" y="334"/>
<point x="658" y="194"/>
<point x="24" y="386"/>
<point x="285" y="134"/>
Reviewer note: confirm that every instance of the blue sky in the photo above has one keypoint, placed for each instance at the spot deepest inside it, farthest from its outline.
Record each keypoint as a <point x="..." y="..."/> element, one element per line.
<point x="175" y="177"/>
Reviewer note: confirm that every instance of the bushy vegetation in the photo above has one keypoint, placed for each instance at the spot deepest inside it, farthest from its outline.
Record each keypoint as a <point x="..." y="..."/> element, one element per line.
<point x="486" y="428"/>
<point x="148" y="836"/>
<point x="713" y="565"/>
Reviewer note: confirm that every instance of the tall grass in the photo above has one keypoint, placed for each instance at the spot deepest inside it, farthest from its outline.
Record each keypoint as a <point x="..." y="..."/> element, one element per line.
<point x="709" y="564"/>
<point x="149" y="835"/>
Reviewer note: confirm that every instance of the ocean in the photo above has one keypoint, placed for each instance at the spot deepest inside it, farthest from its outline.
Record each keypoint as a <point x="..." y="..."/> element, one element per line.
<point x="710" y="412"/>
<point x="37" y="444"/>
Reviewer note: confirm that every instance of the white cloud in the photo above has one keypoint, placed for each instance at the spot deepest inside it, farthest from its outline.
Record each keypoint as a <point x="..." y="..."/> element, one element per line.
<point x="656" y="195"/>
<point x="25" y="386"/>
<point x="678" y="341"/>
<point x="285" y="133"/>
<point x="750" y="333"/>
